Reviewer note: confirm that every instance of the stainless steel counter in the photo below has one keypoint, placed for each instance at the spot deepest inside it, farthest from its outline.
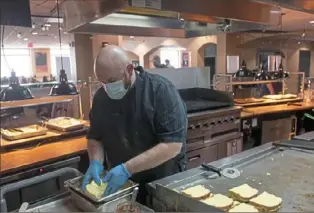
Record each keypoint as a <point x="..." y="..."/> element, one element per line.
<point x="285" y="172"/>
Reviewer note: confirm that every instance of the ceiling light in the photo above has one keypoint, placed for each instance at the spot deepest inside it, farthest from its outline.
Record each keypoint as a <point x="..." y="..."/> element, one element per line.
<point x="33" y="25"/>
<point x="299" y="42"/>
<point x="181" y="19"/>
<point x="311" y="22"/>
<point x="303" y="34"/>
<point x="60" y="28"/>
<point x="19" y="35"/>
<point x="34" y="33"/>
<point x="25" y="39"/>
<point x="131" y="37"/>
<point x="55" y="37"/>
<point x="47" y="25"/>
<point x="43" y="28"/>
<point x="65" y="33"/>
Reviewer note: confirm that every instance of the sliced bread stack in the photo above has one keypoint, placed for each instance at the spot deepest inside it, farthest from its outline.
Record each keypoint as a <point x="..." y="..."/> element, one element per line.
<point x="243" y="193"/>
<point x="266" y="202"/>
<point x="219" y="201"/>
<point x="198" y="192"/>
<point x="243" y="207"/>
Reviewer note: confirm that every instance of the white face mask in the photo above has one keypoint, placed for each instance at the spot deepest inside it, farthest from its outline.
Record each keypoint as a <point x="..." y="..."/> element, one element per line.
<point x="115" y="90"/>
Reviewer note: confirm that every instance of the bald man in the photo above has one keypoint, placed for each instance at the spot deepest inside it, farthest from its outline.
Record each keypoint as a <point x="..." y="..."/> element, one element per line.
<point x="138" y="125"/>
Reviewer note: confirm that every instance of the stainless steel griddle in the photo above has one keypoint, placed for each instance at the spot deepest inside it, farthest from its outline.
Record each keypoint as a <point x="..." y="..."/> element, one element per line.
<point x="285" y="172"/>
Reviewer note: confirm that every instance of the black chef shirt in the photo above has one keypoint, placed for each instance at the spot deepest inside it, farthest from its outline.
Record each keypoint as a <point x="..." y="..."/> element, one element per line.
<point x="150" y="113"/>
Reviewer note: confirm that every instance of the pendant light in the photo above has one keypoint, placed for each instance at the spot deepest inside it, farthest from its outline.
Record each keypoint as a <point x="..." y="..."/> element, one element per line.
<point x="243" y="71"/>
<point x="261" y="74"/>
<point x="63" y="87"/>
<point x="15" y="91"/>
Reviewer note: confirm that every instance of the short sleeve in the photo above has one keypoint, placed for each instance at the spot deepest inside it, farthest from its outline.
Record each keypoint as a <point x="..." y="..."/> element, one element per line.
<point x="170" y="115"/>
<point x="94" y="131"/>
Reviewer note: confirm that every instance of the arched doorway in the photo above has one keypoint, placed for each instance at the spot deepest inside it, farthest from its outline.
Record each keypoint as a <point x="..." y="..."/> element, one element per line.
<point x="134" y="58"/>
<point x="165" y="52"/>
<point x="208" y="54"/>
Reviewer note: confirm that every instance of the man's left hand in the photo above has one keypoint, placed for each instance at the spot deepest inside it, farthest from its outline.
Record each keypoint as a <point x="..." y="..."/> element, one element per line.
<point x="116" y="178"/>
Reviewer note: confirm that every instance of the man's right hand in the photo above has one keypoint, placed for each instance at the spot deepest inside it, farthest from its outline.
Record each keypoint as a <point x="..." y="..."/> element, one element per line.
<point x="94" y="171"/>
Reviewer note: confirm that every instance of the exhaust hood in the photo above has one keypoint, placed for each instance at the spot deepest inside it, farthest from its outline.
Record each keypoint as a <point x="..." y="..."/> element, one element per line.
<point x="187" y="19"/>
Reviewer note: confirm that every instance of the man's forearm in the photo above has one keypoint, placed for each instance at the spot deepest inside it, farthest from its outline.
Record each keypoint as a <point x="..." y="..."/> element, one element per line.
<point x="153" y="157"/>
<point x="95" y="150"/>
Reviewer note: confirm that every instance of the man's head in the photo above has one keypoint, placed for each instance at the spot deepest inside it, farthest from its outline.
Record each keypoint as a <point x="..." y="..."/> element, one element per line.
<point x="156" y="61"/>
<point x="167" y="62"/>
<point x="114" y="70"/>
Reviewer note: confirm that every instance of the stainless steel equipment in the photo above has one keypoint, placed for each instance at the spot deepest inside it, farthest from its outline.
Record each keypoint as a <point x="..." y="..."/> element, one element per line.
<point x="71" y="201"/>
<point x="284" y="171"/>
<point x="105" y="204"/>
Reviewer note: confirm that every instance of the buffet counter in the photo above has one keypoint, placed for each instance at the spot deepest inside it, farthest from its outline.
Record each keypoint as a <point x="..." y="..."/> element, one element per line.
<point x="263" y="110"/>
<point x="15" y="160"/>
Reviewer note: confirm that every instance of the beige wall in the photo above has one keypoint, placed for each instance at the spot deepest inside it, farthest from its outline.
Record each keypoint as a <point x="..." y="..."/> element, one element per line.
<point x="141" y="46"/>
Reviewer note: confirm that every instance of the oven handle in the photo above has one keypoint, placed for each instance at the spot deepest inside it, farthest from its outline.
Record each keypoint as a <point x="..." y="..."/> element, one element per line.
<point x="35" y="180"/>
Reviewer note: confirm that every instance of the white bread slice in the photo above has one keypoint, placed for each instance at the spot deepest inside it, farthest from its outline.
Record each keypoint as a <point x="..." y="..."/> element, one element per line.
<point x="235" y="203"/>
<point x="243" y="193"/>
<point x="95" y="190"/>
<point x="243" y="207"/>
<point x="219" y="201"/>
<point x="197" y="192"/>
<point x="266" y="201"/>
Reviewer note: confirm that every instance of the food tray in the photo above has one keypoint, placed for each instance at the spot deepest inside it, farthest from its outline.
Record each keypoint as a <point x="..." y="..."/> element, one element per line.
<point x="65" y="128"/>
<point x="24" y="132"/>
<point x="74" y="186"/>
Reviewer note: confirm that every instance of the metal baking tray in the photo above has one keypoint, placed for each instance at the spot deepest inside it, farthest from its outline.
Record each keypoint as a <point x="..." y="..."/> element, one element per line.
<point x="52" y="125"/>
<point x="20" y="134"/>
<point x="75" y="184"/>
<point x="69" y="204"/>
<point x="284" y="172"/>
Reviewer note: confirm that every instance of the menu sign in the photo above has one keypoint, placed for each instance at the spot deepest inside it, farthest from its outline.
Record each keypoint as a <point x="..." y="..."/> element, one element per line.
<point x="151" y="4"/>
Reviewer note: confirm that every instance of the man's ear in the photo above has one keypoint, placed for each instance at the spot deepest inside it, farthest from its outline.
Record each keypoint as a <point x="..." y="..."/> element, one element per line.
<point x="130" y="69"/>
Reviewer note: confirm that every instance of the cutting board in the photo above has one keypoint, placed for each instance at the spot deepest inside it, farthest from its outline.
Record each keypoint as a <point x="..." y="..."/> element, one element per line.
<point x="51" y="136"/>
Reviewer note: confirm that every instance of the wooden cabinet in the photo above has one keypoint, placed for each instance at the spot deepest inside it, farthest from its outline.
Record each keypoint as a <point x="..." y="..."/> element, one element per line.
<point x="275" y="130"/>
<point x="234" y="146"/>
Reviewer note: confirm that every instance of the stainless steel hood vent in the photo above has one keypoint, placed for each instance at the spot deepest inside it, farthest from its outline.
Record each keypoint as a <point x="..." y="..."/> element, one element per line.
<point x="105" y="17"/>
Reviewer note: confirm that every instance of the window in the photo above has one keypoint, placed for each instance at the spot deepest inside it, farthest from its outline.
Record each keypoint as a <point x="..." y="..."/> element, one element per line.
<point x="232" y="63"/>
<point x="17" y="59"/>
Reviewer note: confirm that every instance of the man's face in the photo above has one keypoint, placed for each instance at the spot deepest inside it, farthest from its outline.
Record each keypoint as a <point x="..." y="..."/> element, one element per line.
<point x="111" y="76"/>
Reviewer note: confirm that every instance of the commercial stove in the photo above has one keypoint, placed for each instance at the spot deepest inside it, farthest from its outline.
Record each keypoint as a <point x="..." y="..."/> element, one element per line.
<point x="283" y="170"/>
<point x="213" y="125"/>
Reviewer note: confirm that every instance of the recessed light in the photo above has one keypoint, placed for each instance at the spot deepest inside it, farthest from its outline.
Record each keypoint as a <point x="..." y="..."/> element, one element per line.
<point x="299" y="42"/>
<point x="25" y="39"/>
<point x="34" y="33"/>
<point x="311" y="22"/>
<point x="47" y="25"/>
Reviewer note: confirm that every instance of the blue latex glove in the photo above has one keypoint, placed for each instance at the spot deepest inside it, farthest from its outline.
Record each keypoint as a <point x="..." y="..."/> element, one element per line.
<point x="116" y="178"/>
<point x="94" y="171"/>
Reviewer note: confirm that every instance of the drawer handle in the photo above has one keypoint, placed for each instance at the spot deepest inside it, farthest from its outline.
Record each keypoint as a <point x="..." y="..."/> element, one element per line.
<point x="194" y="158"/>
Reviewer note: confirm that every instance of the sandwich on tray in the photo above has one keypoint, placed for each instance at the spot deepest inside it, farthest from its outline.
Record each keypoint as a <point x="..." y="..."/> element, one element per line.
<point x="243" y="193"/>
<point x="243" y="207"/>
<point x="266" y="202"/>
<point x="219" y="201"/>
<point x="197" y="192"/>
